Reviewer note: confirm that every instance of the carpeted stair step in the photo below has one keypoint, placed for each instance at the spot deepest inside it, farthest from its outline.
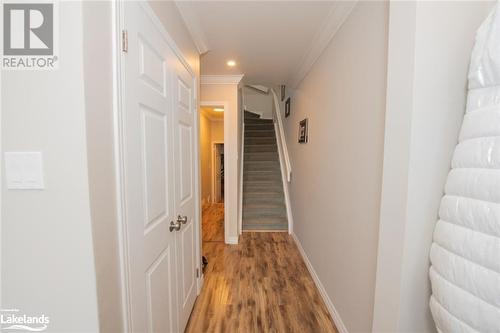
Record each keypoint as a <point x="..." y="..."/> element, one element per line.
<point x="266" y="223"/>
<point x="263" y="198"/>
<point x="269" y="176"/>
<point x="260" y="141"/>
<point x="259" y="156"/>
<point x="259" y="127"/>
<point x="265" y="133"/>
<point x="264" y="209"/>
<point x="258" y="121"/>
<point x="256" y="187"/>
<point x="251" y="115"/>
<point x="261" y="165"/>
<point x="261" y="148"/>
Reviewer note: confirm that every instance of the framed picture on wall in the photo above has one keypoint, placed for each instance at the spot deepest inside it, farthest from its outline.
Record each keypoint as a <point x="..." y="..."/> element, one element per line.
<point x="303" y="135"/>
<point x="283" y="92"/>
<point x="287" y="107"/>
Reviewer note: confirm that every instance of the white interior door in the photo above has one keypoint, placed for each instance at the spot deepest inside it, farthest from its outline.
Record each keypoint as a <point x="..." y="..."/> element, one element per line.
<point x="185" y="150"/>
<point x="157" y="142"/>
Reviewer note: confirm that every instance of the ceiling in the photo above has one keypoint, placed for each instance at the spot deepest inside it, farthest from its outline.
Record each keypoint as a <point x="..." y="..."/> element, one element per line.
<point x="269" y="40"/>
<point x="209" y="112"/>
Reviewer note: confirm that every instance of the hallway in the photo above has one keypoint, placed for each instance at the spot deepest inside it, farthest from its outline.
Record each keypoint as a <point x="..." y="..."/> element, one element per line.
<point x="259" y="285"/>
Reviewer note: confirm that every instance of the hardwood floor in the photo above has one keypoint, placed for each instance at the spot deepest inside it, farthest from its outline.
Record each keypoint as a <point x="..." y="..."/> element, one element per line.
<point x="212" y="223"/>
<point x="259" y="285"/>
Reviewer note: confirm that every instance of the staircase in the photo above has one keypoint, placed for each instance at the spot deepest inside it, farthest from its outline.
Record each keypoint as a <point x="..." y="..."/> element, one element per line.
<point x="263" y="198"/>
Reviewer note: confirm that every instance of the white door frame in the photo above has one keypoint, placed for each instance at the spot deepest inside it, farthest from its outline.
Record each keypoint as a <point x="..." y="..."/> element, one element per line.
<point x="118" y="76"/>
<point x="225" y="105"/>
<point x="214" y="143"/>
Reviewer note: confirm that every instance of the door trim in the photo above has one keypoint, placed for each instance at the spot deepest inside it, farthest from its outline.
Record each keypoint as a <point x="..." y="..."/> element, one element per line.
<point x="118" y="138"/>
<point x="213" y="144"/>
<point x="227" y="156"/>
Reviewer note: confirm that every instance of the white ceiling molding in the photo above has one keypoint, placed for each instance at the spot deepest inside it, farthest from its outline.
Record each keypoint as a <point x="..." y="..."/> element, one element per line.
<point x="221" y="79"/>
<point x="192" y="22"/>
<point x="337" y="16"/>
<point x="259" y="88"/>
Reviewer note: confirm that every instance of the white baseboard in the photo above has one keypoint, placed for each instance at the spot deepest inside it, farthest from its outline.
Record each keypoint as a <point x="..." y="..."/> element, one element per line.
<point x="232" y="240"/>
<point x="328" y="302"/>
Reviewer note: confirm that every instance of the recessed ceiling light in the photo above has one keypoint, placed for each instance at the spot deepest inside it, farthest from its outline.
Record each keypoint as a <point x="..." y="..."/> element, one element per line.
<point x="218" y="109"/>
<point x="231" y="63"/>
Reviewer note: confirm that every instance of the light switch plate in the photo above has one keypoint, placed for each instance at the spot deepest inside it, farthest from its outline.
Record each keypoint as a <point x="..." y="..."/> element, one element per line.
<point x="24" y="170"/>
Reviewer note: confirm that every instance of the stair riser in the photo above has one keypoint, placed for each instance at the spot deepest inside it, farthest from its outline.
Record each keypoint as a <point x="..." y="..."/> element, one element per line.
<point x="261" y="149"/>
<point x="251" y="188"/>
<point x="262" y="157"/>
<point x="256" y="200"/>
<point x="278" y="211"/>
<point x="260" y="141"/>
<point x="261" y="168"/>
<point x="271" y="178"/>
<point x="252" y="215"/>
<point x="259" y="134"/>
<point x="259" y="127"/>
<point x="266" y="221"/>
<point x="257" y="121"/>
<point x="258" y="186"/>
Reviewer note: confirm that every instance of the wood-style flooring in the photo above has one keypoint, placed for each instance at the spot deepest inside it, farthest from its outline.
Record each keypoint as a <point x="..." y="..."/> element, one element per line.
<point x="212" y="224"/>
<point x="259" y="285"/>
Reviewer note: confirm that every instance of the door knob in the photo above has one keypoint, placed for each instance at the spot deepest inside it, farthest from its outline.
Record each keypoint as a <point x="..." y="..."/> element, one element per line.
<point x="182" y="219"/>
<point x="175" y="226"/>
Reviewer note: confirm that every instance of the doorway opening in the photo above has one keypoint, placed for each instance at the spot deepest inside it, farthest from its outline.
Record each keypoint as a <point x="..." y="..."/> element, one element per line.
<point x="213" y="185"/>
<point x="218" y="173"/>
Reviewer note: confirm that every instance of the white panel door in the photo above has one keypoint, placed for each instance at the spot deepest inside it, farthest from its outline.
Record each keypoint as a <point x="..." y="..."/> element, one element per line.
<point x="185" y="197"/>
<point x="148" y="173"/>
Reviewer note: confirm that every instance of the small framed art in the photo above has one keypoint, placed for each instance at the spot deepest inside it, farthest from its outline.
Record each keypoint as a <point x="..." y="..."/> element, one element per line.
<point x="283" y="92"/>
<point x="303" y="135"/>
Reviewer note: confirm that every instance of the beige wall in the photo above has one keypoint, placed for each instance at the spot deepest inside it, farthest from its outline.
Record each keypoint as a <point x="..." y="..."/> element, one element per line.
<point x="217" y="131"/>
<point x="429" y="51"/>
<point x="336" y="177"/>
<point x="210" y="131"/>
<point x="258" y="102"/>
<point x="47" y="256"/>
<point x="205" y="158"/>
<point x="228" y="93"/>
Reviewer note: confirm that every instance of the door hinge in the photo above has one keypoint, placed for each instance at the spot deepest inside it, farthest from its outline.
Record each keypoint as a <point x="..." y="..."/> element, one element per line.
<point x="124" y="41"/>
<point x="197" y="272"/>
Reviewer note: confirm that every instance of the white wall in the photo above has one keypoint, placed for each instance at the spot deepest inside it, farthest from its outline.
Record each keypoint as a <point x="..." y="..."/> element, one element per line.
<point x="47" y="256"/>
<point x="336" y="177"/>
<point x="98" y="77"/>
<point x="171" y="19"/>
<point x="258" y="102"/>
<point x="65" y="236"/>
<point x="429" y="52"/>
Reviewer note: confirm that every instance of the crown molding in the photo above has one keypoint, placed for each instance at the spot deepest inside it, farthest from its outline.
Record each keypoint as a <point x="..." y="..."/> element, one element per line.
<point x="257" y="87"/>
<point x="334" y="20"/>
<point x="192" y="22"/>
<point x="221" y="79"/>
